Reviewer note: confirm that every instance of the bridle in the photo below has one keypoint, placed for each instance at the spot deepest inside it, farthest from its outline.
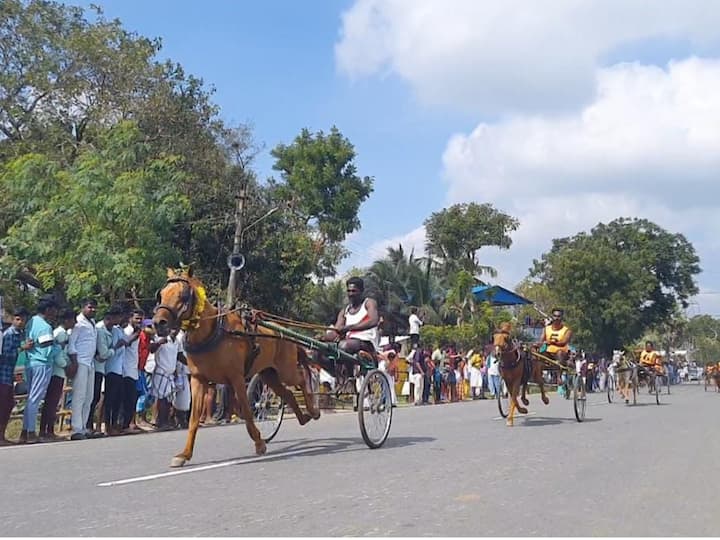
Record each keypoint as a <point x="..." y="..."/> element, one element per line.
<point x="508" y="347"/>
<point x="188" y="299"/>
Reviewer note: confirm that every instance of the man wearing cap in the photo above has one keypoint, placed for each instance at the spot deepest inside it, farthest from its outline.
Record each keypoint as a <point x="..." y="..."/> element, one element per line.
<point x="39" y="368"/>
<point x="13" y="341"/>
<point x="82" y="347"/>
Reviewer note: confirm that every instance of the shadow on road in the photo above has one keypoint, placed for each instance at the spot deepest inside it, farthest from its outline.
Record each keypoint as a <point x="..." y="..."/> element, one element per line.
<point x="316" y="447"/>
<point x="653" y="404"/>
<point x="533" y="421"/>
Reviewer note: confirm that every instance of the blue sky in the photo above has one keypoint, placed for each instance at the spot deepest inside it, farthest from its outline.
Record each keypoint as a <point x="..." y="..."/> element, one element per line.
<point x="566" y="117"/>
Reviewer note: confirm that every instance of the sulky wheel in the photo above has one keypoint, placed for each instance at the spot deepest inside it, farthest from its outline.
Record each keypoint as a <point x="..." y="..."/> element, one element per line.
<point x="503" y="400"/>
<point x="610" y="388"/>
<point x="375" y="408"/>
<point x="267" y="408"/>
<point x="579" y="398"/>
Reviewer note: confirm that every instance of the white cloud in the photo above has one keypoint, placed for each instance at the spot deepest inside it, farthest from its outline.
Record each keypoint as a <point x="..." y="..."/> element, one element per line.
<point x="414" y="242"/>
<point x="652" y="133"/>
<point x="514" y="55"/>
<point x="646" y="147"/>
<point x="570" y="143"/>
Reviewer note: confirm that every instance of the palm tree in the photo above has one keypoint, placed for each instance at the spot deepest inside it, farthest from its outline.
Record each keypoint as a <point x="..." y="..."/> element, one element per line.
<point x="405" y="280"/>
<point x="328" y="299"/>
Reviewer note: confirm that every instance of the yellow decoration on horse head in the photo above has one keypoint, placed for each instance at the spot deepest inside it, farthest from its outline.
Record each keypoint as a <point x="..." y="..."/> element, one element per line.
<point x="193" y="323"/>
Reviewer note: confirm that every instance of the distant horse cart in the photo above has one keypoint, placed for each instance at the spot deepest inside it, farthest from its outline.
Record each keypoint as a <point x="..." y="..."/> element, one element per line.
<point x="521" y="365"/>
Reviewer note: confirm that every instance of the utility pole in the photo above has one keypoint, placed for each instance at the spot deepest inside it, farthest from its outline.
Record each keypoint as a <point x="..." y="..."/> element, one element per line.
<point x="236" y="265"/>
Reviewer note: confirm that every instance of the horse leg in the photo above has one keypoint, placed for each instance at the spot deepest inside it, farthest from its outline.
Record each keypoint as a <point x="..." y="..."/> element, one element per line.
<point x="522" y="397"/>
<point x="538" y="376"/>
<point x="306" y="385"/>
<point x="515" y="395"/>
<point x="306" y="388"/>
<point x="270" y="377"/>
<point x="511" y="415"/>
<point x="238" y="385"/>
<point x="198" y="390"/>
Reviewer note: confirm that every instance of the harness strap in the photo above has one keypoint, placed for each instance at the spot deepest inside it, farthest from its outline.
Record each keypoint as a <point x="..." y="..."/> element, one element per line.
<point x="210" y="344"/>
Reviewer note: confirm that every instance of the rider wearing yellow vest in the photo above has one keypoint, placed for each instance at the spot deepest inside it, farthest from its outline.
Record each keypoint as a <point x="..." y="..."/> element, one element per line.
<point x="557" y="336"/>
<point x="650" y="358"/>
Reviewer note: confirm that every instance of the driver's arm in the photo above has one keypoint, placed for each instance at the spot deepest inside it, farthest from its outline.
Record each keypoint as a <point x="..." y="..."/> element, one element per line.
<point x="340" y="322"/>
<point x="568" y="337"/>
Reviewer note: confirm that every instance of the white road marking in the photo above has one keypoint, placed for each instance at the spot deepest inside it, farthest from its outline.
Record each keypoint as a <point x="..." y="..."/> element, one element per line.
<point x="205" y="467"/>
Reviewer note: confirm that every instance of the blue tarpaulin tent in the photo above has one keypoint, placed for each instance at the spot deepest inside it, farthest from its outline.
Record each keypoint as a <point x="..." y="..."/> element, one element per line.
<point x="498" y="296"/>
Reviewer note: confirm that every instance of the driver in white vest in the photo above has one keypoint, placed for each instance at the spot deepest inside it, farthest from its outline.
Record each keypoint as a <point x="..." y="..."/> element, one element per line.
<point x="357" y="324"/>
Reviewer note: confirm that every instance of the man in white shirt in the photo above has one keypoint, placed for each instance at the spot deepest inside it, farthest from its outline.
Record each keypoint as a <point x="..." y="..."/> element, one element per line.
<point x="493" y="371"/>
<point x="81" y="349"/>
<point x="166" y="350"/>
<point x="415" y="323"/>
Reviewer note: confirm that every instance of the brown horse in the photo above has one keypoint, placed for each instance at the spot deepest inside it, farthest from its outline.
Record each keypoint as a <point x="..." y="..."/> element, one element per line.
<point x="223" y="348"/>
<point x="515" y="363"/>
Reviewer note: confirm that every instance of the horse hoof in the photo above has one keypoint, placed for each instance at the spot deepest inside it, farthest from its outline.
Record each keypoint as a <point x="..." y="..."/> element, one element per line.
<point x="525" y="401"/>
<point x="316" y="416"/>
<point x="545" y="400"/>
<point x="509" y="423"/>
<point x="178" y="461"/>
<point x="260" y="448"/>
<point x="522" y="410"/>
<point x="304" y="419"/>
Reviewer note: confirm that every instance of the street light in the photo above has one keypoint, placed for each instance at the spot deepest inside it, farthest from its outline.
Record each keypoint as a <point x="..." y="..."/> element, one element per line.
<point x="236" y="260"/>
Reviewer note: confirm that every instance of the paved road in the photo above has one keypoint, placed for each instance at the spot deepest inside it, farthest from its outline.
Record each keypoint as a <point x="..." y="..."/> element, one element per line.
<point x="452" y="470"/>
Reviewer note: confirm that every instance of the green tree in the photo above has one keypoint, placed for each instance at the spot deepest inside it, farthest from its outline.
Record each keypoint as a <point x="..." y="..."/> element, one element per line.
<point x="327" y="301"/>
<point x="460" y="302"/>
<point x="403" y="280"/>
<point x="670" y="258"/>
<point x="63" y="76"/>
<point x="319" y="174"/>
<point x="102" y="226"/>
<point x="457" y="233"/>
<point x="703" y="333"/>
<point x="619" y="281"/>
<point x="68" y="74"/>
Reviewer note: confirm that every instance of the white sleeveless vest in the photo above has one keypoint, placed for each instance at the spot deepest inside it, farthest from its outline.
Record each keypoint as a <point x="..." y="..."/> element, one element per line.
<point x="371" y="334"/>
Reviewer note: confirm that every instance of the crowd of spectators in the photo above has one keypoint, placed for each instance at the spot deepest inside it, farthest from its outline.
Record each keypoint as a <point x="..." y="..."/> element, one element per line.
<point x="119" y="372"/>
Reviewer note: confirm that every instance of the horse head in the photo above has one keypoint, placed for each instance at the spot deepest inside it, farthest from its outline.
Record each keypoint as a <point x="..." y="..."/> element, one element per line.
<point x="179" y="303"/>
<point x="501" y="343"/>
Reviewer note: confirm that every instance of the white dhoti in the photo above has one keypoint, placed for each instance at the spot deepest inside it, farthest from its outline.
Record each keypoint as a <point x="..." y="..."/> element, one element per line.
<point x="476" y="379"/>
<point x="181" y="402"/>
<point x="163" y="384"/>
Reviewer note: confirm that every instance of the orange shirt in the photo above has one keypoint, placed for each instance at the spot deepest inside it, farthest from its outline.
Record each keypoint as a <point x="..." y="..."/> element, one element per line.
<point x="649" y="358"/>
